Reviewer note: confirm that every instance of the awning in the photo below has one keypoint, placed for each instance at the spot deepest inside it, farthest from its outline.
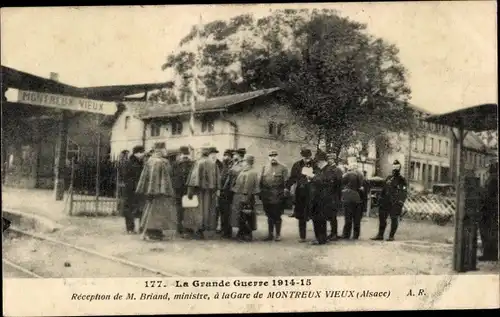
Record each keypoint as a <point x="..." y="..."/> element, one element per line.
<point x="477" y="118"/>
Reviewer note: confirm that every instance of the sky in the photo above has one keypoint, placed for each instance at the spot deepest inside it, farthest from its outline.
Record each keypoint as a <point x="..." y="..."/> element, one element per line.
<point x="449" y="48"/>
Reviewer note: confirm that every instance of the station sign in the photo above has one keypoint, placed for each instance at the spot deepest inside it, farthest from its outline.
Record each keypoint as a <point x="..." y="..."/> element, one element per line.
<point x="60" y="101"/>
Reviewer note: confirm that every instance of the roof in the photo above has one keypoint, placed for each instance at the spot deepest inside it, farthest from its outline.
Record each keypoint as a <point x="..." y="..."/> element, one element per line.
<point x="472" y="141"/>
<point x="477" y="118"/>
<point x="24" y="81"/>
<point x="118" y="92"/>
<point x="147" y="110"/>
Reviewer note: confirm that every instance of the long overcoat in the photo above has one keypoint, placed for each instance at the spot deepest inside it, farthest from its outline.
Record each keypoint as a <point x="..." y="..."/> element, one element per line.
<point x="155" y="184"/>
<point x="322" y="191"/>
<point x="204" y="181"/>
<point x="246" y="186"/>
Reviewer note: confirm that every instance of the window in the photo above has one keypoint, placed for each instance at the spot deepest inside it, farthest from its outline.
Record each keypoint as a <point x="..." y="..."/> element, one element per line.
<point x="275" y="129"/>
<point x="431" y="145"/>
<point x="446" y="147"/>
<point x="414" y="142"/>
<point x="154" y="129"/>
<point x="421" y="144"/>
<point x="176" y="127"/>
<point x="72" y="151"/>
<point x="127" y="120"/>
<point x="207" y="125"/>
<point x="271" y="127"/>
<point x="439" y="147"/>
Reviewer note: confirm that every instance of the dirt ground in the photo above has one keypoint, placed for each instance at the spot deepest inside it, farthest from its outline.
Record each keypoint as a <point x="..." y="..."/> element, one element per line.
<point x="421" y="247"/>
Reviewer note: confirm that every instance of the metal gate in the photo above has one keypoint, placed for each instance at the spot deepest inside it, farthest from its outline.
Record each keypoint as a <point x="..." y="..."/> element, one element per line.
<point x="93" y="186"/>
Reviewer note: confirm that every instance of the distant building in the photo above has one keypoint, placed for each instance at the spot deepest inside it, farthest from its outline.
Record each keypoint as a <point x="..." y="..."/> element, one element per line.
<point x="430" y="159"/>
<point x="31" y="133"/>
<point x="254" y="120"/>
<point x="477" y="157"/>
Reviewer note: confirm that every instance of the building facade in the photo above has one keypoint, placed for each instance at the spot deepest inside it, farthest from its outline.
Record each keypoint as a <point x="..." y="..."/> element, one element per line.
<point x="256" y="121"/>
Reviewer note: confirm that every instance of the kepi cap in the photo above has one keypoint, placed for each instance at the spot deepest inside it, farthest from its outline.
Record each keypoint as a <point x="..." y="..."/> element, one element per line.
<point x="273" y="153"/>
<point x="249" y="158"/>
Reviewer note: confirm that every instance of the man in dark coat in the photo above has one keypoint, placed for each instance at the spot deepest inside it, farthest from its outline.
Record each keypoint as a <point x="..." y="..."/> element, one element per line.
<point x="392" y="199"/>
<point x="232" y="175"/>
<point x="336" y="197"/>
<point x="322" y="191"/>
<point x="272" y="193"/>
<point x="299" y="177"/>
<point x="351" y="200"/>
<point x="488" y="226"/>
<point x="181" y="169"/>
<point x="131" y="174"/>
<point x="364" y="193"/>
<point x="224" y="205"/>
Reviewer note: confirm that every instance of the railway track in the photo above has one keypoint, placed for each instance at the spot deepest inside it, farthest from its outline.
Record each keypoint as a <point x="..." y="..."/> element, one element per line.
<point x="27" y="254"/>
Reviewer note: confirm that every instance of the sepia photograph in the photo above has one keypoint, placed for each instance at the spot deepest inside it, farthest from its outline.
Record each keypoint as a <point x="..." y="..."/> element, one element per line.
<point x="244" y="141"/>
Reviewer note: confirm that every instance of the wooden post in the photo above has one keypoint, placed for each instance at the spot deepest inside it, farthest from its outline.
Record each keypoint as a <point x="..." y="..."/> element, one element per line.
<point x="98" y="167"/>
<point x="459" y="242"/>
<point x="369" y="203"/>
<point x="61" y="156"/>
<point x="71" y="186"/>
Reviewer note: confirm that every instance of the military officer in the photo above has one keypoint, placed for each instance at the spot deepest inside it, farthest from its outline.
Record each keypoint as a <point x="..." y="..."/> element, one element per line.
<point x="272" y="193"/>
<point x="392" y="199"/>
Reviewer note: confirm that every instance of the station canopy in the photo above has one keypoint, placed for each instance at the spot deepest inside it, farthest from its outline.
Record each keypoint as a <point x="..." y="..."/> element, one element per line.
<point x="477" y="118"/>
<point x="17" y="79"/>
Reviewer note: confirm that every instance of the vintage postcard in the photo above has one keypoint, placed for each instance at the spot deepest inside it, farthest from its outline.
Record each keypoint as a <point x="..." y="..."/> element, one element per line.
<point x="249" y="158"/>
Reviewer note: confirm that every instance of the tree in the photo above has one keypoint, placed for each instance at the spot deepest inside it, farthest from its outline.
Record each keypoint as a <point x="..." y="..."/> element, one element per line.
<point x="347" y="84"/>
<point x="164" y="95"/>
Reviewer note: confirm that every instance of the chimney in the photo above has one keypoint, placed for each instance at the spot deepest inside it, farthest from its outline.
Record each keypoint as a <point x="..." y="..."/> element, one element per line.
<point x="54" y="76"/>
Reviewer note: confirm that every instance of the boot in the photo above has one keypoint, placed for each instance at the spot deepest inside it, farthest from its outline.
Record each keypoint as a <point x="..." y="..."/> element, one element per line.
<point x="278" y="231"/>
<point x="394" y="228"/>
<point x="270" y="229"/>
<point x="380" y="235"/>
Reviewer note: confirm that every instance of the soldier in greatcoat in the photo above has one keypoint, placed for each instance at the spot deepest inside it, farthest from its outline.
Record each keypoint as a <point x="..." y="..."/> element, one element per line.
<point x="272" y="193"/>
<point x="236" y="167"/>
<point x="322" y="191"/>
<point x="204" y="181"/>
<point x="181" y="170"/>
<point x="245" y="188"/>
<point x="392" y="199"/>
<point x="299" y="178"/>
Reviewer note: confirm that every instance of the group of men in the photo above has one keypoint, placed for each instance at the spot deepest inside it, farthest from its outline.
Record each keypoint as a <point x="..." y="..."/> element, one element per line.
<point x="321" y="190"/>
<point x="155" y="190"/>
<point x="226" y="191"/>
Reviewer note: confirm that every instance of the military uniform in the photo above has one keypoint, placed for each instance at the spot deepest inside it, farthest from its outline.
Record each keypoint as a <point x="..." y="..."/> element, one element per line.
<point x="392" y="199"/>
<point x="272" y="193"/>
<point x="227" y="194"/>
<point x="351" y="201"/>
